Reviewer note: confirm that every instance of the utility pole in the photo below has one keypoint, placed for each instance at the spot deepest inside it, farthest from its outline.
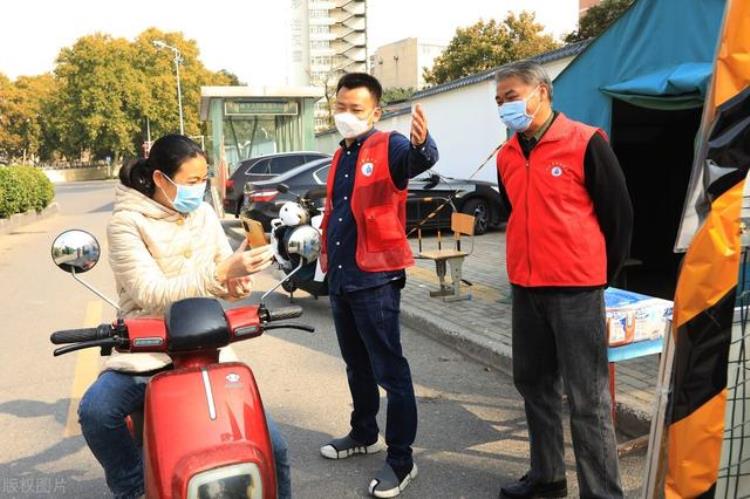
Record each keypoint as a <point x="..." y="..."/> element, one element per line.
<point x="177" y="60"/>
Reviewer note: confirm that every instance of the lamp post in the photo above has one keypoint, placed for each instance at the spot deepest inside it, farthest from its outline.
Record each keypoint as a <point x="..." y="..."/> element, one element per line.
<point x="177" y="60"/>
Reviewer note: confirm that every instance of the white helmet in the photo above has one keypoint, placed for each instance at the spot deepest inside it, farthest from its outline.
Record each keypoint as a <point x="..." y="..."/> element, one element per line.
<point x="292" y="214"/>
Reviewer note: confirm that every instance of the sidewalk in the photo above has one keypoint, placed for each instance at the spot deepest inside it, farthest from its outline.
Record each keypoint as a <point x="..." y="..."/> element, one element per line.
<point x="481" y="328"/>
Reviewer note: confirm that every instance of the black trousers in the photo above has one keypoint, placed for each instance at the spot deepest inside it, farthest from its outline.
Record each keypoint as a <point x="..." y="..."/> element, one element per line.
<point x="559" y="342"/>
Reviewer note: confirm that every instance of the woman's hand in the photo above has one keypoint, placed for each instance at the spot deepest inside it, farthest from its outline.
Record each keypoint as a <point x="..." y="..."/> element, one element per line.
<point x="239" y="288"/>
<point x="244" y="263"/>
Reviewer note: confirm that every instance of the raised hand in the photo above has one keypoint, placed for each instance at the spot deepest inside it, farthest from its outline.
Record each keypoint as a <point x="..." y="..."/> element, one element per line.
<point x="418" y="126"/>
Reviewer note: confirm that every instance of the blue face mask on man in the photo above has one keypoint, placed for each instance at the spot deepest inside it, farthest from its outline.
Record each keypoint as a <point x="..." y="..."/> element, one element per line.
<point x="188" y="197"/>
<point x="514" y="116"/>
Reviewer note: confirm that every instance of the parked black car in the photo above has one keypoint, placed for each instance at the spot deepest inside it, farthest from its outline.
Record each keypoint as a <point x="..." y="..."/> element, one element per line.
<point x="263" y="200"/>
<point x="263" y="168"/>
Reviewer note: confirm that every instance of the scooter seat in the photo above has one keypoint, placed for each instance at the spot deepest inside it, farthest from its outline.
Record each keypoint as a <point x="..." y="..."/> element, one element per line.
<point x="196" y="324"/>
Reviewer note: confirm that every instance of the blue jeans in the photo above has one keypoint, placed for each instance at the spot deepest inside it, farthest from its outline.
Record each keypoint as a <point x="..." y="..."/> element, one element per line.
<point x="367" y="327"/>
<point x="102" y="413"/>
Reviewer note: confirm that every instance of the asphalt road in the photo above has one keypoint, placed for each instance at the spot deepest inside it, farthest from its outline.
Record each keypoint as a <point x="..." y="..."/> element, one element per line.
<point x="472" y="434"/>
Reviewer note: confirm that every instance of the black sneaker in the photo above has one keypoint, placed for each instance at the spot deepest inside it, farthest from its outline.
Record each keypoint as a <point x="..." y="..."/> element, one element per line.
<point x="387" y="484"/>
<point x="341" y="448"/>
<point x="527" y="489"/>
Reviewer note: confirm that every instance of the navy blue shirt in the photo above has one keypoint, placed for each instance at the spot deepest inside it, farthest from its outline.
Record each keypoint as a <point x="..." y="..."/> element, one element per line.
<point x="405" y="162"/>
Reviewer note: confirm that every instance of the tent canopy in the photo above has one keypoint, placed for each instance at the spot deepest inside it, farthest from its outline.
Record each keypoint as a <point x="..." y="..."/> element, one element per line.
<point x="678" y="87"/>
<point x="659" y="55"/>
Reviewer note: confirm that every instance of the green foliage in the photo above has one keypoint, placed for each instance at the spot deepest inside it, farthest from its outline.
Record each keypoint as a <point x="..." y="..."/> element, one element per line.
<point x="23" y="188"/>
<point x="597" y="19"/>
<point x="393" y="95"/>
<point x="486" y="45"/>
<point x="14" y="194"/>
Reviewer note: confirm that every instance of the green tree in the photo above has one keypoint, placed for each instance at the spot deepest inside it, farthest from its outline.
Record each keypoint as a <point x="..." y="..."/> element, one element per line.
<point x="396" y="94"/>
<point x="231" y="78"/>
<point x="8" y="140"/>
<point x="597" y="19"/>
<point x="109" y="88"/>
<point x="21" y="118"/>
<point x="100" y="99"/>
<point x="32" y="93"/>
<point x="157" y="67"/>
<point x="486" y="45"/>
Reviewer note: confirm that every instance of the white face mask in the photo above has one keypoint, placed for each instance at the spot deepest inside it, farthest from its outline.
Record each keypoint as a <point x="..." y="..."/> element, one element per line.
<point x="349" y="126"/>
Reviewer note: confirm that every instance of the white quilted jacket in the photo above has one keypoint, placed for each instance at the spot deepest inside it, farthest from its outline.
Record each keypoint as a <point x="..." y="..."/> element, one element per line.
<point x="160" y="256"/>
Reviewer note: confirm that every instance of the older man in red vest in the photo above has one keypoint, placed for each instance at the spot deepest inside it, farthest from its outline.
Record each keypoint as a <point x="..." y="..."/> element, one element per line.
<point x="567" y="237"/>
<point x="365" y="252"/>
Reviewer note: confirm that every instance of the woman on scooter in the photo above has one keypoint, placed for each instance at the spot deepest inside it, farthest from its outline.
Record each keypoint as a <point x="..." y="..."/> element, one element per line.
<point x="165" y="244"/>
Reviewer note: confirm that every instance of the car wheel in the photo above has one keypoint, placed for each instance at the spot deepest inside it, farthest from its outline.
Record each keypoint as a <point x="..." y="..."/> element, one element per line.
<point x="480" y="210"/>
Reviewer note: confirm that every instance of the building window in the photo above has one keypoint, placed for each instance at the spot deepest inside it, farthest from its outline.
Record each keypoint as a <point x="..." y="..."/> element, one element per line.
<point x="321" y="60"/>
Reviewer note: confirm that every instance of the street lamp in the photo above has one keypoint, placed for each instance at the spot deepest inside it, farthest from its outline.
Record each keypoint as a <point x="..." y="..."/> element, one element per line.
<point x="177" y="60"/>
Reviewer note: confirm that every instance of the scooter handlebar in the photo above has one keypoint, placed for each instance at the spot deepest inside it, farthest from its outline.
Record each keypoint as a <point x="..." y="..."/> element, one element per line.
<point x="79" y="335"/>
<point x="283" y="313"/>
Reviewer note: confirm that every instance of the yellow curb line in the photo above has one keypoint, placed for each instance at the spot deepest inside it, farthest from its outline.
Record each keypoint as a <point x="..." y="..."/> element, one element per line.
<point x="86" y="370"/>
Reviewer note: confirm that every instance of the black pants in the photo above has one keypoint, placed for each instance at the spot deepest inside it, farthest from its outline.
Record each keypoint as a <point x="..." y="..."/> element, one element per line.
<point x="369" y="335"/>
<point x="561" y="334"/>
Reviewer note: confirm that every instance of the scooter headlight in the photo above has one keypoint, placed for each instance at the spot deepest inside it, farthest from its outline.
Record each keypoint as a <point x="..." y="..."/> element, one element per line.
<point x="228" y="482"/>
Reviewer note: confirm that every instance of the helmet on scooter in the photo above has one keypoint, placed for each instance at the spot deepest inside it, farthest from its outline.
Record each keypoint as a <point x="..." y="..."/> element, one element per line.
<point x="292" y="214"/>
<point x="301" y="243"/>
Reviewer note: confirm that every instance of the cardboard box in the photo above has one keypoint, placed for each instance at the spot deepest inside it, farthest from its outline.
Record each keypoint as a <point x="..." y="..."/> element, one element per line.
<point x="634" y="317"/>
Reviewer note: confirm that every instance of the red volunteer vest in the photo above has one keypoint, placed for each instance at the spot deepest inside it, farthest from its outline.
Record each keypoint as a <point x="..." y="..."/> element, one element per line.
<point x="379" y="210"/>
<point x="553" y="237"/>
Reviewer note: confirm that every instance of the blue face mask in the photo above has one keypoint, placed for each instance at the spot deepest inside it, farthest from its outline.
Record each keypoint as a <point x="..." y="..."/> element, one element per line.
<point x="514" y="116"/>
<point x="188" y="197"/>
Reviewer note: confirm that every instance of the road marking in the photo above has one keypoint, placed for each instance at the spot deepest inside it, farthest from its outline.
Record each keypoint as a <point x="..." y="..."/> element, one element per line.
<point x="86" y="370"/>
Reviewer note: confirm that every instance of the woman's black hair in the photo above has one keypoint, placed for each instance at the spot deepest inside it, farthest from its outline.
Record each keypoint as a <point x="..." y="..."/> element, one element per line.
<point x="167" y="155"/>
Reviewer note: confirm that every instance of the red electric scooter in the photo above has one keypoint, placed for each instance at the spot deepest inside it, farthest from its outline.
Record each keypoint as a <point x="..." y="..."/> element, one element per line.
<point x="204" y="428"/>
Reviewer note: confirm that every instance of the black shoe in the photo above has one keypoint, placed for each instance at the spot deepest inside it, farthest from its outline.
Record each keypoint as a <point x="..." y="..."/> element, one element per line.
<point x="525" y="488"/>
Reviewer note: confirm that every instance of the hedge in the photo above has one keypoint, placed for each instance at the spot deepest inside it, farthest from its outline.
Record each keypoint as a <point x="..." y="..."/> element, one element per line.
<point x="23" y="188"/>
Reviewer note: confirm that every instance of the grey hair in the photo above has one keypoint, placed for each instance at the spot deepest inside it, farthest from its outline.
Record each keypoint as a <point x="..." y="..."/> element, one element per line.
<point x="529" y="72"/>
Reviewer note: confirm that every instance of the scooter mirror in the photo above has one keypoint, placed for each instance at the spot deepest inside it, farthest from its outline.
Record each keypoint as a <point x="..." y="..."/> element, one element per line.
<point x="75" y="251"/>
<point x="316" y="193"/>
<point x="282" y="188"/>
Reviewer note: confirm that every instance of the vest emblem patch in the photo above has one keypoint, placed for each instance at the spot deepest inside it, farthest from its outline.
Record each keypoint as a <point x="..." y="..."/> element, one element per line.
<point x="367" y="169"/>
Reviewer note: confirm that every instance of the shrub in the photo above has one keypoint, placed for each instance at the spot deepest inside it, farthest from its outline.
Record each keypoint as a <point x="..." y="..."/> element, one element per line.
<point x="23" y="188"/>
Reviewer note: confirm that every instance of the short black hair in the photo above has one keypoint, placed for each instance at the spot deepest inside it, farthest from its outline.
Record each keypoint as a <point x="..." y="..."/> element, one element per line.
<point x="358" y="80"/>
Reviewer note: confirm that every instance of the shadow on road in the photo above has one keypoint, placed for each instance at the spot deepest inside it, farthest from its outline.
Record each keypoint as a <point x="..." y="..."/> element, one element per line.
<point x="28" y="476"/>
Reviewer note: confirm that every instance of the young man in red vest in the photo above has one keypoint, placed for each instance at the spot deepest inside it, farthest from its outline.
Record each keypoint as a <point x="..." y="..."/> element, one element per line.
<point x="365" y="252"/>
<point x="567" y="238"/>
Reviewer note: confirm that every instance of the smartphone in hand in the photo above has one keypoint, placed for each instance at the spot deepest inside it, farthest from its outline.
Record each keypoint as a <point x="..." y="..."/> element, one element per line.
<point x="256" y="236"/>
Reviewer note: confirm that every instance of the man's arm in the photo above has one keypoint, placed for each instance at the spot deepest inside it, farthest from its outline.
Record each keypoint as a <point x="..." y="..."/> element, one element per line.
<point x="504" y="199"/>
<point x="608" y="189"/>
<point x="407" y="161"/>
